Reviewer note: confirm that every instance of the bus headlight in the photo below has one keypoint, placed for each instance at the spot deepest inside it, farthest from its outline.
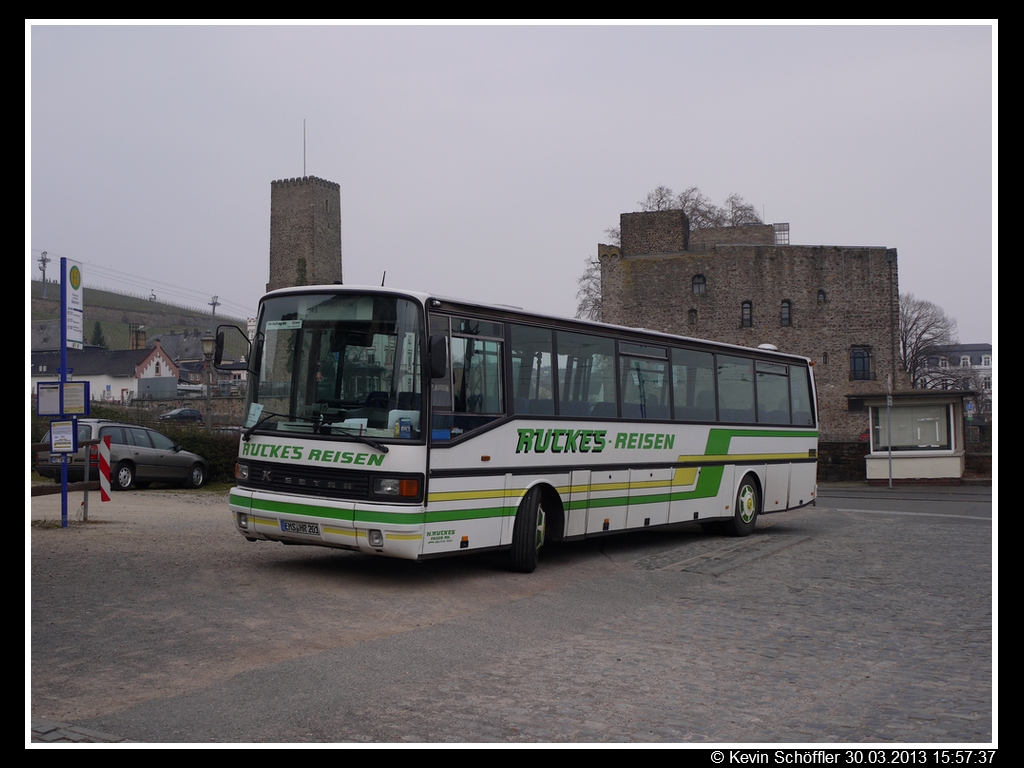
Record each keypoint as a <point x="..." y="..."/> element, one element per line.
<point x="393" y="486"/>
<point x="241" y="471"/>
<point x="376" y="539"/>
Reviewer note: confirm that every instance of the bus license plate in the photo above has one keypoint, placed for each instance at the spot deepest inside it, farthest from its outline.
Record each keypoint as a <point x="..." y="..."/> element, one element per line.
<point x="313" y="529"/>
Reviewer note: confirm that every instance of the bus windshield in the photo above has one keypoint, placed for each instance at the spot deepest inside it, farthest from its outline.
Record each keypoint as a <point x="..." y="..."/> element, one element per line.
<point x="337" y="364"/>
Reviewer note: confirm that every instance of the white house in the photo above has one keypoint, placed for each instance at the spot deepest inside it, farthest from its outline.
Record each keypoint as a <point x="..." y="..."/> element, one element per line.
<point x="113" y="375"/>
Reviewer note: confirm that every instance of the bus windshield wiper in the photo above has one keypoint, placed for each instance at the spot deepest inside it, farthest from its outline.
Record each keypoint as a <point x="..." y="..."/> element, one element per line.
<point x="247" y="435"/>
<point x="361" y="438"/>
<point x="315" y="419"/>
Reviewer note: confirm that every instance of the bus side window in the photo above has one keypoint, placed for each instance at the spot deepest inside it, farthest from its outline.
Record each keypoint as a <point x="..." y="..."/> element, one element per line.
<point x="471" y="393"/>
<point x="693" y="381"/>
<point x="800" y="390"/>
<point x="586" y="373"/>
<point x="440" y="364"/>
<point x="477" y="376"/>
<point x="532" y="389"/>
<point x="644" y="384"/>
<point x="736" y="389"/>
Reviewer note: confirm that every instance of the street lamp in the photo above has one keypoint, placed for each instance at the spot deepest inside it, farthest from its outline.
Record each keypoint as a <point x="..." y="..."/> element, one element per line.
<point x="208" y="345"/>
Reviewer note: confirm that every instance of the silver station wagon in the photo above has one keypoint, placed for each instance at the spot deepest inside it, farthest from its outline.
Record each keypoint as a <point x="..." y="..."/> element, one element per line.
<point x="138" y="456"/>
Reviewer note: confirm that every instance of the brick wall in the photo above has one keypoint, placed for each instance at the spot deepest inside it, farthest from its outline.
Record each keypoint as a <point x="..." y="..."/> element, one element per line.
<point x="654" y="232"/>
<point x="656" y="290"/>
<point x="746" y="234"/>
<point x="842" y="462"/>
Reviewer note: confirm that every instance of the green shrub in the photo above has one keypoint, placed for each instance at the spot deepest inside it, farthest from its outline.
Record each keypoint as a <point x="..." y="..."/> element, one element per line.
<point x="220" y="449"/>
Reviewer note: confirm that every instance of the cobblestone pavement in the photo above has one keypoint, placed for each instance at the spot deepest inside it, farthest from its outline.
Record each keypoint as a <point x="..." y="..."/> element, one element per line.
<point x="823" y="627"/>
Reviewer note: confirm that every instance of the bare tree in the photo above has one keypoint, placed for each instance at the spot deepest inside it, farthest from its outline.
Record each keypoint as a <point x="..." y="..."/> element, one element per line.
<point x="923" y="326"/>
<point x="948" y="375"/>
<point x="740" y="212"/>
<point x="944" y="376"/>
<point x="659" y="199"/>
<point x="588" y="297"/>
<point x="702" y="213"/>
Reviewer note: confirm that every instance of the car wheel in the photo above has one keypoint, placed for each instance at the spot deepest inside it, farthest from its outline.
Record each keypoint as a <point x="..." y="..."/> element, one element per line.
<point x="124" y="476"/>
<point x="528" y="532"/>
<point x="196" y="476"/>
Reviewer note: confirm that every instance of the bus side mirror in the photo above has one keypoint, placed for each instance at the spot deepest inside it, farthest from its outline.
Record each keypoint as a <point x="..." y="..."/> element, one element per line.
<point x="238" y="344"/>
<point x="438" y="357"/>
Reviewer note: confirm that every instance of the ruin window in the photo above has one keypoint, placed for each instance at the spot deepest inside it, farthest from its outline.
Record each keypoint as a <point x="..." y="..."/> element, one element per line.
<point x="860" y="364"/>
<point x="787" y="313"/>
<point x="747" y="315"/>
<point x="822" y="297"/>
<point x="699" y="285"/>
<point x="692" y="316"/>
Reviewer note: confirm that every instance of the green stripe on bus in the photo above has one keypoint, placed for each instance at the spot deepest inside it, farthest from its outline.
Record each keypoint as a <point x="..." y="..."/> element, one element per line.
<point x="484" y="513"/>
<point x="390" y="518"/>
<point x="343" y="515"/>
<point x="719" y="439"/>
<point x="305" y="510"/>
<point x="239" y="501"/>
<point x="369" y="516"/>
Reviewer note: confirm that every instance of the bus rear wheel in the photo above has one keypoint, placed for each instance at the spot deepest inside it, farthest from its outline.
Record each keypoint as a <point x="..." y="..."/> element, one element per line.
<point x="748" y="504"/>
<point x="528" y="532"/>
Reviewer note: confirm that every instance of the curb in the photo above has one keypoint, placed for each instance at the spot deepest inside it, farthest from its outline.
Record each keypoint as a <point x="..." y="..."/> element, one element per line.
<point x="48" y="732"/>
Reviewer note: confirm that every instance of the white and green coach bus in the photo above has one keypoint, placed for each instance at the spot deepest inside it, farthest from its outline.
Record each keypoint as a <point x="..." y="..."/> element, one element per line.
<point x="414" y="426"/>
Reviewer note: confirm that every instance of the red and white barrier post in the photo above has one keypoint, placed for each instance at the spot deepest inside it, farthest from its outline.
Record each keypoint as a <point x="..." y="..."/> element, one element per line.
<point x="105" y="469"/>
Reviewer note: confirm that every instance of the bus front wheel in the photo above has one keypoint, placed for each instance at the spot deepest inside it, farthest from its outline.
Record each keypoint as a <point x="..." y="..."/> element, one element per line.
<point x="528" y="532"/>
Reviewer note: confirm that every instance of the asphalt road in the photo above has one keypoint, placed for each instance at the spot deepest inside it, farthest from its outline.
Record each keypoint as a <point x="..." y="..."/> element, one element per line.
<point x="866" y="619"/>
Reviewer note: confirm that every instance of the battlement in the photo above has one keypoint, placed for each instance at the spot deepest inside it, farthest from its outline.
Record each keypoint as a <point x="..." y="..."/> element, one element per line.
<point x="305" y="181"/>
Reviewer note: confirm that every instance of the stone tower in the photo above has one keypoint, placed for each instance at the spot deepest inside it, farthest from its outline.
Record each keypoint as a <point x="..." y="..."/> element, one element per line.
<point x="305" y="232"/>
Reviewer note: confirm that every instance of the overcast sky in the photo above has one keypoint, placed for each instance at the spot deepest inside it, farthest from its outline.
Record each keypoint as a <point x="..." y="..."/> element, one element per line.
<point x="486" y="162"/>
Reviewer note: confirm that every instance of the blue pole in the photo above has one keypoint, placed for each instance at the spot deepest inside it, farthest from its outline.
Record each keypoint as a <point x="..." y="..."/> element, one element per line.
<point x="63" y="381"/>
